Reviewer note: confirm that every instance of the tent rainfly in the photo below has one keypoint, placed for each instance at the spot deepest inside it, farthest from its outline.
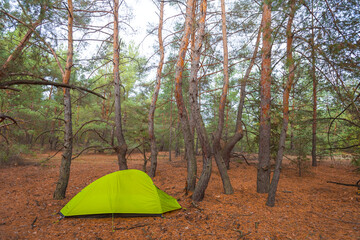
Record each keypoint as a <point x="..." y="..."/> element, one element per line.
<point x="124" y="193"/>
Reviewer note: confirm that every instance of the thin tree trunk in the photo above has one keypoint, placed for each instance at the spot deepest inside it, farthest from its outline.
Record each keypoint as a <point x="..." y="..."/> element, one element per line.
<point x="226" y="133"/>
<point x="153" y="148"/>
<point x="197" y="145"/>
<point x="238" y="135"/>
<point x="290" y="61"/>
<point x="193" y="60"/>
<point x="313" y="76"/>
<point x="218" y="133"/>
<point x="171" y="127"/>
<point x="177" y="144"/>
<point x="292" y="124"/>
<point x="121" y="149"/>
<point x="183" y="115"/>
<point x="144" y="154"/>
<point x="263" y="174"/>
<point x="52" y="137"/>
<point x="64" y="175"/>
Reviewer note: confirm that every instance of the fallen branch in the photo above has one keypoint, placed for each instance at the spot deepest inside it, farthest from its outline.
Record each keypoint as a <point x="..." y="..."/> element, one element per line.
<point x="286" y="191"/>
<point x="347" y="184"/>
<point x="132" y="227"/>
<point x="33" y="223"/>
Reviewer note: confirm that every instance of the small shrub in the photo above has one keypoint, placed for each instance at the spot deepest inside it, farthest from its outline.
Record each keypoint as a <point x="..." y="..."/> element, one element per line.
<point x="12" y="154"/>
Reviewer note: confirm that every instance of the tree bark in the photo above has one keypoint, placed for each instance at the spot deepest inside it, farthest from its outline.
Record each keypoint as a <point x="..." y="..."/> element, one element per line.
<point x="314" y="81"/>
<point x="238" y="134"/>
<point x="171" y="122"/>
<point x="263" y="173"/>
<point x="290" y="61"/>
<point x="121" y="148"/>
<point x="153" y="148"/>
<point x="177" y="144"/>
<point x="292" y="125"/>
<point x="218" y="133"/>
<point x="195" y="107"/>
<point x="64" y="176"/>
<point x="192" y="120"/>
<point x="183" y="115"/>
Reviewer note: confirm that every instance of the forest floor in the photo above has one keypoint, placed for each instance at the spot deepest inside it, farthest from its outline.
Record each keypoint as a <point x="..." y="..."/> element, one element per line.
<point x="307" y="207"/>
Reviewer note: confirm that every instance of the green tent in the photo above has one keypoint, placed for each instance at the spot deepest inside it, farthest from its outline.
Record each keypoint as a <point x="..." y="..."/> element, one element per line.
<point x="126" y="192"/>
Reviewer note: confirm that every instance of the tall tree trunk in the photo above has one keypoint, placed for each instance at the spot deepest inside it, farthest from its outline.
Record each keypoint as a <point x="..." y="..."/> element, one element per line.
<point x="177" y="143"/>
<point x="193" y="60"/>
<point x="121" y="148"/>
<point x="314" y="81"/>
<point x="238" y="134"/>
<point x="263" y="174"/>
<point x="64" y="176"/>
<point x="183" y="115"/>
<point x="52" y="137"/>
<point x="171" y="122"/>
<point x="218" y="133"/>
<point x="292" y="124"/>
<point x="195" y="107"/>
<point x="290" y="61"/>
<point x="155" y="97"/>
<point x="197" y="145"/>
<point x="226" y="133"/>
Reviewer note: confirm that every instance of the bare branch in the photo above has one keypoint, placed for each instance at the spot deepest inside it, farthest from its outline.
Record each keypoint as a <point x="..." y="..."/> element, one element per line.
<point x="5" y="85"/>
<point x="3" y="117"/>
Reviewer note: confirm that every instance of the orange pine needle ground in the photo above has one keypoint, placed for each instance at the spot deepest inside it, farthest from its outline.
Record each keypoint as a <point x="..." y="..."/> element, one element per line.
<point x="306" y="207"/>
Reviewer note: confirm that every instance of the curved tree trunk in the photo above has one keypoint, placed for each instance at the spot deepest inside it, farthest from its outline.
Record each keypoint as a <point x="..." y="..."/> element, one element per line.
<point x="276" y="176"/>
<point x="183" y="115"/>
<point x="238" y="135"/>
<point x="64" y="176"/>
<point x="155" y="97"/>
<point x="263" y="174"/>
<point x="121" y="149"/>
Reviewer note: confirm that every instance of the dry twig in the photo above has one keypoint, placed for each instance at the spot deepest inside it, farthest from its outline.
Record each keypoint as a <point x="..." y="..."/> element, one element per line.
<point x="132" y="227"/>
